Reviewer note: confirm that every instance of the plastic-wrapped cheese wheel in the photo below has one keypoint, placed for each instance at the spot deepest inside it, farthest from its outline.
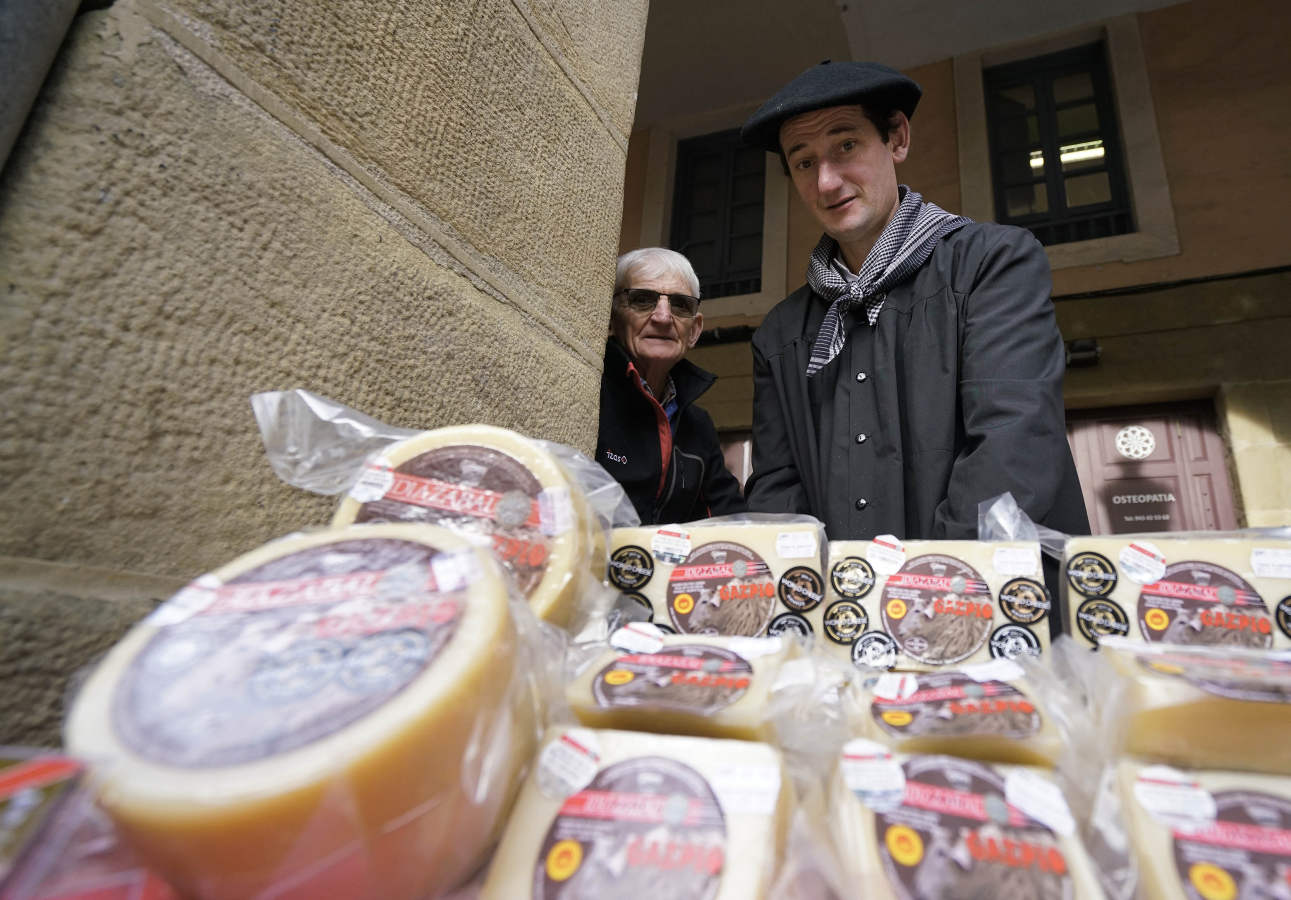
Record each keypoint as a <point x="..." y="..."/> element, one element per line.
<point x="1230" y="590"/>
<point x="748" y="575"/>
<point x="643" y="817"/>
<point x="336" y="714"/>
<point x="1201" y="707"/>
<point x="987" y="711"/>
<point x="927" y="605"/>
<point x="922" y="827"/>
<point x="1207" y="834"/>
<point x="482" y="480"/>
<point x="707" y="686"/>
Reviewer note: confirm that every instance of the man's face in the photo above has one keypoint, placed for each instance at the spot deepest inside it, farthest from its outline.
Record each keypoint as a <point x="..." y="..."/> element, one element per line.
<point x="657" y="339"/>
<point x="844" y="171"/>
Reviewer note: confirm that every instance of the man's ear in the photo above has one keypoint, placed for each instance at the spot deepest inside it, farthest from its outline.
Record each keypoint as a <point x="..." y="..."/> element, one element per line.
<point x="899" y="136"/>
<point x="695" y="332"/>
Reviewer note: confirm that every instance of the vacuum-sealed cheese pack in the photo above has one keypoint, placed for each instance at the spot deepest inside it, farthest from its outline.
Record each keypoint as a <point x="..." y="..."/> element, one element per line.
<point x="743" y="575"/>
<point x="1230" y="590"/>
<point x="924" y="605"/>
<point x="988" y="711"/>
<point x="347" y="712"/>
<point x="643" y="817"/>
<point x="921" y="827"/>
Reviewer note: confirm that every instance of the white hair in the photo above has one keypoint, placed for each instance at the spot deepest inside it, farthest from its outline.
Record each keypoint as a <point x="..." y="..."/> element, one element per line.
<point x="655" y="262"/>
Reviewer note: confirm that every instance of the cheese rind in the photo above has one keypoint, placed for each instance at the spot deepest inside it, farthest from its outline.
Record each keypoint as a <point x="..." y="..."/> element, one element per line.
<point x="498" y="485"/>
<point x="643" y="816"/>
<point x="707" y="686"/>
<point x="317" y="709"/>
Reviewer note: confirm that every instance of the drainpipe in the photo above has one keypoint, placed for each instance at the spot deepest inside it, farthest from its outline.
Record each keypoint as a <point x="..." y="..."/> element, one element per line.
<point x="31" y="31"/>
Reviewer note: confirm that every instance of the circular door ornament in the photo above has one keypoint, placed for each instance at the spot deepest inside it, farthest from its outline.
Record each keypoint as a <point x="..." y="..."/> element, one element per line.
<point x="1135" y="442"/>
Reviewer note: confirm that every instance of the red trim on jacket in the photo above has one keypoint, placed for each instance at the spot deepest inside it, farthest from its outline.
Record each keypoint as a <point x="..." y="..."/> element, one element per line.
<point x="661" y="421"/>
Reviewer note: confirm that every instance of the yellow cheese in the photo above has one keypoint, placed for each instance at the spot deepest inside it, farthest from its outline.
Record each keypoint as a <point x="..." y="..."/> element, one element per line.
<point x="638" y="816"/>
<point x="924" y="605"/>
<point x="944" y="827"/>
<point x="1207" y="834"/>
<point x="682" y="684"/>
<point x="987" y="711"/>
<point x="339" y="713"/>
<point x="494" y="483"/>
<point x="1230" y="591"/>
<point x="1201" y="707"/>
<point x="721" y="577"/>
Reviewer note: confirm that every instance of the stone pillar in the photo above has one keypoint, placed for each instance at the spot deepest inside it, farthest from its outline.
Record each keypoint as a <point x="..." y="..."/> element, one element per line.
<point x="410" y="207"/>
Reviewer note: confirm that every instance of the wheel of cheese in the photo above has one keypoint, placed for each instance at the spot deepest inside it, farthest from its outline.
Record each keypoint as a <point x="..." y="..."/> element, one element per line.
<point x="724" y="576"/>
<point x="987" y="711"/>
<point x="939" y="826"/>
<point x="1223" y="591"/>
<point x="1207" y="834"/>
<point x="644" y="816"/>
<point x="337" y="714"/>
<point x="928" y="605"/>
<point x="706" y="686"/>
<point x="497" y="484"/>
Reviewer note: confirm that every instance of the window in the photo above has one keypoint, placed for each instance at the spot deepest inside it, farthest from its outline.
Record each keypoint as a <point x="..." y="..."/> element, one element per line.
<point x="717" y="212"/>
<point x="1055" y="153"/>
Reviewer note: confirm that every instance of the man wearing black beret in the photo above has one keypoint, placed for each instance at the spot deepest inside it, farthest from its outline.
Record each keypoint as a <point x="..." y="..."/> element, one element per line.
<point x="919" y="369"/>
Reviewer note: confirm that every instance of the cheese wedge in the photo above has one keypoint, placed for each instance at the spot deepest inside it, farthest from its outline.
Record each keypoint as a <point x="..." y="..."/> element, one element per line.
<point x="1207" y="834"/>
<point x="707" y="686"/>
<point x="720" y="576"/>
<point x="335" y="714"/>
<point x="497" y="485"/>
<point x="926" y="605"/>
<point x="942" y="827"/>
<point x="1231" y="591"/>
<point x="987" y="711"/>
<point x="1201" y="707"/>
<point x="643" y="817"/>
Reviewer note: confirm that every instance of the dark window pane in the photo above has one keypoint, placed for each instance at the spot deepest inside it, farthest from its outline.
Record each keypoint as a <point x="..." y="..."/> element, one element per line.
<point x="746" y="220"/>
<point x="1088" y="190"/>
<point x="1021" y="165"/>
<point x="1026" y="200"/>
<point x="749" y="162"/>
<point x="748" y="188"/>
<point x="1077" y="120"/>
<point x="746" y="252"/>
<point x="704" y="198"/>
<point x="703" y="226"/>
<point x="1018" y="134"/>
<point x="1077" y="86"/>
<point x="1016" y="99"/>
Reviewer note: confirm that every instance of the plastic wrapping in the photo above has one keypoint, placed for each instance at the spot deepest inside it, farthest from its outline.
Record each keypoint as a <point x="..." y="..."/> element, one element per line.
<point x="34" y="783"/>
<point x="347" y="713"/>
<point x="745" y="575"/>
<point x="643" y="817"/>
<point x="927" y="605"/>
<point x="1001" y="519"/>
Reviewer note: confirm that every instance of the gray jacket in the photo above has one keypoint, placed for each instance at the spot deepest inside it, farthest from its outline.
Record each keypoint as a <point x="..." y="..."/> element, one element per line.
<point x="954" y="396"/>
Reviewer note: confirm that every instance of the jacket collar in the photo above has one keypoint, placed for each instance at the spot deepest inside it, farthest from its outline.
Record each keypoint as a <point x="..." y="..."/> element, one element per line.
<point x="690" y="379"/>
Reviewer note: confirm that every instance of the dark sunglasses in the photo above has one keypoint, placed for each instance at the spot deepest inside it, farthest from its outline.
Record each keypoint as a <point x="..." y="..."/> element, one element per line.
<point x="644" y="300"/>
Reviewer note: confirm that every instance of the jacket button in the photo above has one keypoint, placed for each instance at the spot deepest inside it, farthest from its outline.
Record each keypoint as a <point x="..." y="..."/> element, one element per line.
<point x="862" y="503"/>
<point x="861" y="438"/>
<point x="861" y="376"/>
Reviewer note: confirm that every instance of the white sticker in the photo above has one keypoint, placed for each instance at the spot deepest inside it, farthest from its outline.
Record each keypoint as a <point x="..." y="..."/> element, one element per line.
<point x="638" y="637"/>
<point x="1142" y="562"/>
<point x="670" y="546"/>
<point x="569" y="763"/>
<point x="753" y="647"/>
<point x="794" y="673"/>
<point x="555" y="510"/>
<point x="374" y="481"/>
<point x="1001" y="669"/>
<point x="1172" y="798"/>
<point x="1012" y="561"/>
<point x="886" y="553"/>
<point x="191" y="599"/>
<point x="796" y="544"/>
<point x="452" y="571"/>
<point x="1271" y="562"/>
<point x="746" y="789"/>
<point x="1040" y="799"/>
<point x="872" y="774"/>
<point x="895" y="685"/>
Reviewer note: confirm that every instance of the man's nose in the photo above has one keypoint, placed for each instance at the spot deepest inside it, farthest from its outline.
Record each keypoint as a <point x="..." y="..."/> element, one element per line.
<point x="662" y="309"/>
<point x="826" y="178"/>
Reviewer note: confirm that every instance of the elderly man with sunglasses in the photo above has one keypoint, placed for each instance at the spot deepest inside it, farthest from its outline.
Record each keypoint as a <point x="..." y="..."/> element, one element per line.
<point x="653" y="439"/>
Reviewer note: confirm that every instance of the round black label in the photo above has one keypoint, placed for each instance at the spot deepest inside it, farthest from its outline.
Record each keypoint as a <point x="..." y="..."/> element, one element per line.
<point x="852" y="577"/>
<point x="875" y="650"/>
<point x="801" y="589"/>
<point x="1091" y="574"/>
<point x="1284" y="615"/>
<point x="631" y="567"/>
<point x="1097" y="618"/>
<point x="844" y="621"/>
<point x="1012" y="641"/>
<point x="789" y="623"/>
<point x="1024" y="601"/>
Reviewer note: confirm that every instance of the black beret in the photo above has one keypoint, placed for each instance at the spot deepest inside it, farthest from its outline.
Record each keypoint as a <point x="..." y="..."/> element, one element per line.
<point x="830" y="84"/>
